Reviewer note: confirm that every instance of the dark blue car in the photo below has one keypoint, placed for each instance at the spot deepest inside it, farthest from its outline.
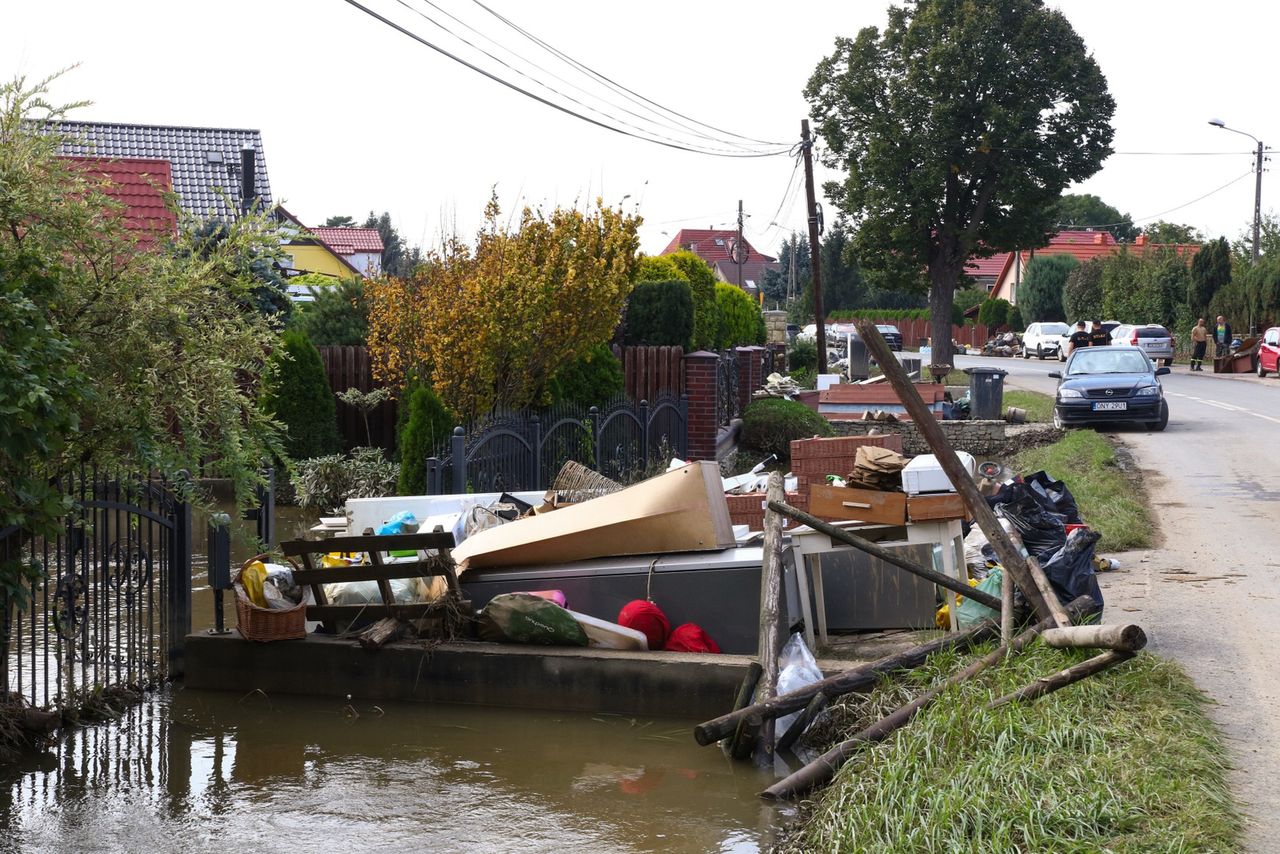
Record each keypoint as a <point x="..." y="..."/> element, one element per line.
<point x="1113" y="384"/>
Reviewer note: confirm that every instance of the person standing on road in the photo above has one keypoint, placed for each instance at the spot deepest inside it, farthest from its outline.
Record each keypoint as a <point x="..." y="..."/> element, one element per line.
<point x="1079" y="338"/>
<point x="1222" y="337"/>
<point x="1199" y="341"/>
<point x="1099" y="337"/>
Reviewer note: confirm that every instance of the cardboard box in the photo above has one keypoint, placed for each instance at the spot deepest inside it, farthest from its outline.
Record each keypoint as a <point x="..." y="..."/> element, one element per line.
<point x="864" y="505"/>
<point x="929" y="508"/>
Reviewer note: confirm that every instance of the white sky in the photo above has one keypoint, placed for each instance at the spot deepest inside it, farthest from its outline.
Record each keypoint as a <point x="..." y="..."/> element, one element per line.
<point x="355" y="116"/>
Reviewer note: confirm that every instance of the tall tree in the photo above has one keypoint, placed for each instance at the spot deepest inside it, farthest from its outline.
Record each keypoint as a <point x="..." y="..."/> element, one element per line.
<point x="339" y="222"/>
<point x="398" y="258"/>
<point x="1076" y="210"/>
<point x="1210" y="271"/>
<point x="1041" y="289"/>
<point x="793" y="252"/>
<point x="1171" y="232"/>
<point x="842" y="285"/>
<point x="1082" y="299"/>
<point x="958" y="128"/>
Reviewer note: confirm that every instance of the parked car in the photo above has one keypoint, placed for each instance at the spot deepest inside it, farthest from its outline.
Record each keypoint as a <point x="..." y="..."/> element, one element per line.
<point x="1110" y="384"/>
<point x="891" y="335"/>
<point x="1107" y="327"/>
<point x="1043" y="339"/>
<point x="1154" y="340"/>
<point x="1269" y="352"/>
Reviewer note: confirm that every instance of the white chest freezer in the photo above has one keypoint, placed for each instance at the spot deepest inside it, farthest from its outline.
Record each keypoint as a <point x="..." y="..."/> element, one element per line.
<point x="924" y="474"/>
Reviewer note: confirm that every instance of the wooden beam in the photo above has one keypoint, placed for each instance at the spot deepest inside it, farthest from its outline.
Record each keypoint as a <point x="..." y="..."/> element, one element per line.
<point x="1063" y="678"/>
<point x="770" y="615"/>
<point x="1023" y="569"/>
<point x="1129" y="638"/>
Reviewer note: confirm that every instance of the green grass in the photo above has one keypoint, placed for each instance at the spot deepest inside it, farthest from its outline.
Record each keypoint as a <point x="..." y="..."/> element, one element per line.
<point x="1110" y="502"/>
<point x="1125" y="761"/>
<point x="1039" y="406"/>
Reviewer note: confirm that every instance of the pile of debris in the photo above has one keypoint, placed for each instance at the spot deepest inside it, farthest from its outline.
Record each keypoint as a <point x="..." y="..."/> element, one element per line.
<point x="1003" y="344"/>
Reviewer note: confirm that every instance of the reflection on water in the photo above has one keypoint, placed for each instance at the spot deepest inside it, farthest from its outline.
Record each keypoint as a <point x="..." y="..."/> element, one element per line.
<point x="196" y="771"/>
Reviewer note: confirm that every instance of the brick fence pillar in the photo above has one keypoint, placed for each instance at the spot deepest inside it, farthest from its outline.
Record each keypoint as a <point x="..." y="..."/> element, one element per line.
<point x="700" y="371"/>
<point x="750" y="374"/>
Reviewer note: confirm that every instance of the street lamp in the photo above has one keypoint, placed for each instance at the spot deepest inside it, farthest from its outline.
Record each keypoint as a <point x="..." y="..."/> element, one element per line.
<point x="1257" y="192"/>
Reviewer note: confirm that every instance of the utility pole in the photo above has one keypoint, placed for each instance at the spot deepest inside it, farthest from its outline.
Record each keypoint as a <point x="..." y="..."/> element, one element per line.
<point x="738" y="248"/>
<point x="791" y="272"/>
<point x="815" y="271"/>
<point x="1257" y="206"/>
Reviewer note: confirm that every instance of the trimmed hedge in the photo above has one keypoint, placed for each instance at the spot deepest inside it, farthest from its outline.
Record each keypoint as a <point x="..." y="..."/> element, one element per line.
<point x="770" y="425"/>
<point x="298" y="396"/>
<point x="589" y="380"/>
<point x="739" y="322"/>
<point x="426" y="427"/>
<point x="660" y="313"/>
<point x="879" y="314"/>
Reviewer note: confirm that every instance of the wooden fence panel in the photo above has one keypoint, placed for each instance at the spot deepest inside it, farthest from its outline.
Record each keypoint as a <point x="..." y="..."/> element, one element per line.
<point x="349" y="367"/>
<point x="650" y="371"/>
<point x="915" y="331"/>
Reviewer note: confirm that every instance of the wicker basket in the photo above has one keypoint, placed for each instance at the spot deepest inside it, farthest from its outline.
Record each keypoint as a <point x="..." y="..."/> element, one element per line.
<point x="267" y="624"/>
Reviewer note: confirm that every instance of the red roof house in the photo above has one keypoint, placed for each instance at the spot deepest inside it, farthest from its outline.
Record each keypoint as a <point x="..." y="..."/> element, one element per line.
<point x="719" y="248"/>
<point x="140" y="185"/>
<point x="360" y="247"/>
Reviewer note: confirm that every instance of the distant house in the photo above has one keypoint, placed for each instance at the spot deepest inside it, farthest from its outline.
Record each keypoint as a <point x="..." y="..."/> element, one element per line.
<point x="139" y="186"/>
<point x="308" y="253"/>
<point x="361" y="247"/>
<point x="719" y="248"/>
<point x="215" y="172"/>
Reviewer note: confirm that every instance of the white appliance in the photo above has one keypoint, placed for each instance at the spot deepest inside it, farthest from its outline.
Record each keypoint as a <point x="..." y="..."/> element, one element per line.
<point x="924" y="474"/>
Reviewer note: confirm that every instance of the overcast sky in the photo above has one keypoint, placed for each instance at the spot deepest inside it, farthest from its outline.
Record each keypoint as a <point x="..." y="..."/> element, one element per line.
<point x="357" y="117"/>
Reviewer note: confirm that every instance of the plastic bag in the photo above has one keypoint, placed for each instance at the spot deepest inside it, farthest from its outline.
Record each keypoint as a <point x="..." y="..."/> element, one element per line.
<point x="528" y="619"/>
<point x="1041" y="529"/>
<point x="796" y="669"/>
<point x="971" y="611"/>
<point x="1070" y="569"/>
<point x="1054" y="495"/>
<point x="403" y="522"/>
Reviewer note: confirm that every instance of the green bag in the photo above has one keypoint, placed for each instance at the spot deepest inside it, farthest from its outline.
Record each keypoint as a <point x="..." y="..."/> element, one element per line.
<point x="970" y="612"/>
<point x="525" y="618"/>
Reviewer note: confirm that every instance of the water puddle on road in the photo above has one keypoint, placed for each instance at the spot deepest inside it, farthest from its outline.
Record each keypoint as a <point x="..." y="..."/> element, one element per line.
<point x="196" y="771"/>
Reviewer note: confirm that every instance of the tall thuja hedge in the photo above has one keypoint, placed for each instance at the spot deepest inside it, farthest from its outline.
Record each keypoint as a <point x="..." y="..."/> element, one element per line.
<point x="298" y="396"/>
<point x="738" y="318"/>
<point x="702" y="291"/>
<point x="427" y="425"/>
<point x="660" y="313"/>
<point x="1041" y="290"/>
<point x="590" y="380"/>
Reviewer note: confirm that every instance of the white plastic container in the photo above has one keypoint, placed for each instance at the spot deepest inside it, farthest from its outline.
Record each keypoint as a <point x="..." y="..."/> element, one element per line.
<point x="924" y="474"/>
<point x="603" y="634"/>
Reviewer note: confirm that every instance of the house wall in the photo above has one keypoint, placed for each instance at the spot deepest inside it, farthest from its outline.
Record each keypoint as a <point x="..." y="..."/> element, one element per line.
<point x="368" y="263"/>
<point x="317" y="259"/>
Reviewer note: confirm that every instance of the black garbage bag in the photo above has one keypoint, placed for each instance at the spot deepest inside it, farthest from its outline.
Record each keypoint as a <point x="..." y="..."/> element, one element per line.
<point x="1043" y="531"/>
<point x="1054" y="494"/>
<point x="1070" y="569"/>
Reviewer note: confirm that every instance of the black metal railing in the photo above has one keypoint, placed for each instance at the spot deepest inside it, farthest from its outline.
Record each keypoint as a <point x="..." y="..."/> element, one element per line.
<point x="728" y="395"/>
<point x="525" y="450"/>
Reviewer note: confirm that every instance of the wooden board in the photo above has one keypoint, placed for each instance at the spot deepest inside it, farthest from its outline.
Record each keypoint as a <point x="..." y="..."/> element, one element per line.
<point x="863" y="505"/>
<point x="928" y="508"/>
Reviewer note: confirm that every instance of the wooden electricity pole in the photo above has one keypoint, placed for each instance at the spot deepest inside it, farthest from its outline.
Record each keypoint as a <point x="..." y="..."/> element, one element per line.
<point x="819" y="316"/>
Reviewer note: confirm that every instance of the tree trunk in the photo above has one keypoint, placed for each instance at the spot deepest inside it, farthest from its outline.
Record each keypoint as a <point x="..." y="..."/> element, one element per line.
<point x="942" y="291"/>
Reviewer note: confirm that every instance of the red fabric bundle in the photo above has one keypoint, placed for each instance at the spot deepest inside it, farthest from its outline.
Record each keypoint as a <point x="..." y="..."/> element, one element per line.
<point x="647" y="618"/>
<point x="690" y="638"/>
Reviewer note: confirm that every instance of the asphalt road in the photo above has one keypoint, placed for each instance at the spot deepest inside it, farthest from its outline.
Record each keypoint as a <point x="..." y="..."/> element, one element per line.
<point x="1209" y="596"/>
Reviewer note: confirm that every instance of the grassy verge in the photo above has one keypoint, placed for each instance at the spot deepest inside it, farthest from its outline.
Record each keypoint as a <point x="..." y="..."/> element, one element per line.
<point x="1109" y="500"/>
<point x="1039" y="406"/>
<point x="1125" y="761"/>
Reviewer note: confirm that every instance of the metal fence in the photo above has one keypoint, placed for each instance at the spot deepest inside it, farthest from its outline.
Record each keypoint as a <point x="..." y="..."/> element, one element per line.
<point x="524" y="450"/>
<point x="108" y="600"/>
<point x="728" y="394"/>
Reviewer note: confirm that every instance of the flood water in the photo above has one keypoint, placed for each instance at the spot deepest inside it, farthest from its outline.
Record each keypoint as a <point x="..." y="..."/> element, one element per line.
<point x="200" y="771"/>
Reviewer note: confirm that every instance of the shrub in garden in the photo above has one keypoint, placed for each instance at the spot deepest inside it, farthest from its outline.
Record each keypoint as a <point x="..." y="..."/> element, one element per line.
<point x="657" y="268"/>
<point x="738" y="319"/>
<point x="589" y="380"/>
<point x="1082" y="299"/>
<point x="660" y="313"/>
<point x="994" y="313"/>
<point x="337" y="314"/>
<point x="1041" y="290"/>
<point x="325" y="483"/>
<point x="298" y="396"/>
<point x="427" y="425"/>
<point x="702" y="290"/>
<point x="770" y="425"/>
<point x="802" y="356"/>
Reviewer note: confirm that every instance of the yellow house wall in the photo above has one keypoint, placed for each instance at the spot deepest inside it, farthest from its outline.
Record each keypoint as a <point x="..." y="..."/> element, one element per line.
<point x="318" y="259"/>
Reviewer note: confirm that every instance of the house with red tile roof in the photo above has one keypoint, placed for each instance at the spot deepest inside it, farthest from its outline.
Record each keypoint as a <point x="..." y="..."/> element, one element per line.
<point x="361" y="247"/>
<point x="140" y="186"/>
<point x="720" y="249"/>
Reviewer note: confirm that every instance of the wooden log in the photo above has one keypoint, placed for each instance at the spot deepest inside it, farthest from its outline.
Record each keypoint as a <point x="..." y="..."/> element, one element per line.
<point x="747" y="736"/>
<point x="382" y="633"/>
<point x="1129" y="638"/>
<point x="856" y="679"/>
<point x="745" y="692"/>
<point x="1024" y="570"/>
<point x="770" y="616"/>
<point x="1006" y="606"/>
<point x="801" y="723"/>
<point x="1063" y="678"/>
<point x="851" y="539"/>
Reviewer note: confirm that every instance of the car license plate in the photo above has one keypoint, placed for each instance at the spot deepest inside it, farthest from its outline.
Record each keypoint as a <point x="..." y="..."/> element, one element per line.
<point x="1110" y="406"/>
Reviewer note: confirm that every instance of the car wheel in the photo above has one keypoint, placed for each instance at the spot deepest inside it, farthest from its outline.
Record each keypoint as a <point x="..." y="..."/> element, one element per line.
<point x="1262" y="372"/>
<point x="1026" y="354"/>
<point x="1039" y="353"/>
<point x="1057" y="420"/>
<point x="1157" y="426"/>
<point x="1062" y="355"/>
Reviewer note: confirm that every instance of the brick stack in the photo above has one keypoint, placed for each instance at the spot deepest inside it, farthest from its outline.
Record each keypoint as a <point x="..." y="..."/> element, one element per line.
<point x="813" y="459"/>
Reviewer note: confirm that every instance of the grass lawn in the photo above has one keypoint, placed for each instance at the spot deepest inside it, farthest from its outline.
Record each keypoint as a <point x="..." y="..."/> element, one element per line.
<point x="1110" y="501"/>
<point x="1039" y="406"/>
<point x="1125" y="761"/>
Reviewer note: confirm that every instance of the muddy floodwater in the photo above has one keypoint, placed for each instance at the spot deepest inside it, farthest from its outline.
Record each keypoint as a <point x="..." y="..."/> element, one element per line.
<point x="199" y="771"/>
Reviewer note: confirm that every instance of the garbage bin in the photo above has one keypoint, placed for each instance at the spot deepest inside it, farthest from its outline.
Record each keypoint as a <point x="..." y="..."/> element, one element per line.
<point x="986" y="393"/>
<point x="911" y="364"/>
<point x="859" y="364"/>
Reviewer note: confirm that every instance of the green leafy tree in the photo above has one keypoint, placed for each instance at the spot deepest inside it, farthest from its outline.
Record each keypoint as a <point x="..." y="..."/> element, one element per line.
<point x="1082" y="211"/>
<point x="1210" y="271"/>
<point x="702" y="291"/>
<point x="659" y="313"/>
<point x="958" y="127"/>
<point x="592" y="379"/>
<point x="994" y="313"/>
<point x="1268" y="240"/>
<point x="262" y="264"/>
<point x="1041" y="290"/>
<point x="340" y="222"/>
<point x="426" y="427"/>
<point x="298" y="396"/>
<point x="793" y="252"/>
<point x="842" y="286"/>
<point x="1082" y="299"/>
<point x="1171" y="232"/>
<point x="739" y="321"/>
<point x="964" y="300"/>
<point x="1122" y="297"/>
<point x="338" y="313"/>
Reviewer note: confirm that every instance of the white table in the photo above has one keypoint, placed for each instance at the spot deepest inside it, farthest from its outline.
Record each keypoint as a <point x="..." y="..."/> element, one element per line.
<point x="944" y="534"/>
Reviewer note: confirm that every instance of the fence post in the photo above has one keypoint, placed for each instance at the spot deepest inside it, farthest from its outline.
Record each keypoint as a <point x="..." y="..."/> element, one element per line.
<point x="644" y="434"/>
<point x="433" y="476"/>
<point x="179" y="603"/>
<point x="459" y="452"/>
<point x="267" y="508"/>
<point x="219" y="535"/>
<point x="537" y="453"/>
<point x="701" y="382"/>
<point x="593" y="414"/>
<point x="684" y="426"/>
<point x="4" y="643"/>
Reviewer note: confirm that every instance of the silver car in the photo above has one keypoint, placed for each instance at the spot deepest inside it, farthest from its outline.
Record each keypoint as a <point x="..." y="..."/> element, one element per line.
<point x="1152" y="338"/>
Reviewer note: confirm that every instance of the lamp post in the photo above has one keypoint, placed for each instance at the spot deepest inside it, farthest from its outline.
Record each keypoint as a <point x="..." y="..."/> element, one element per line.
<point x="1257" y="191"/>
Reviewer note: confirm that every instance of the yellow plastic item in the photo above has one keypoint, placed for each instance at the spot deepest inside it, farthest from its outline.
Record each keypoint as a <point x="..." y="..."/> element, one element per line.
<point x="942" y="617"/>
<point x="339" y="559"/>
<point x="251" y="578"/>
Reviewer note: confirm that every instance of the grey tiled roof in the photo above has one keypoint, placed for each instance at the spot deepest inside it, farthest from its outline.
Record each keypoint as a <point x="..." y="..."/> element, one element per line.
<point x="205" y="161"/>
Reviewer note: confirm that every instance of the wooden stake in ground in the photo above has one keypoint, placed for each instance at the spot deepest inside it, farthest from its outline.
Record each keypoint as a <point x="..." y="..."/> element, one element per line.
<point x="1063" y="678"/>
<point x="745" y="692"/>
<point x="1024" y="570"/>
<point x="856" y="679"/>
<point x="824" y="768"/>
<point x="770" y="616"/>
<point x="851" y="539"/>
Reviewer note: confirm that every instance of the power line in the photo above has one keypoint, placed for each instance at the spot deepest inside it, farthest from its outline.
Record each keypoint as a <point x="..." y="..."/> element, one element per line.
<point x="545" y="101"/>
<point x="1135" y="220"/>
<point x="617" y="86"/>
